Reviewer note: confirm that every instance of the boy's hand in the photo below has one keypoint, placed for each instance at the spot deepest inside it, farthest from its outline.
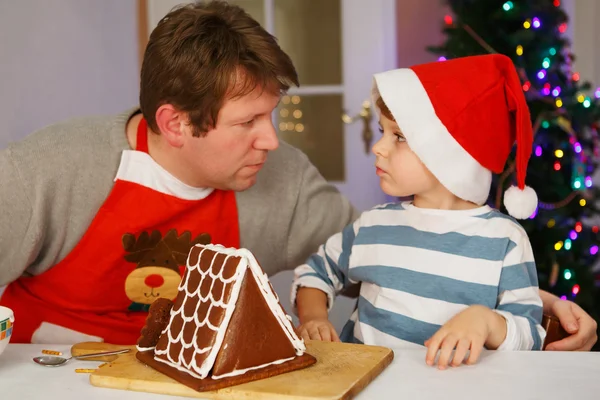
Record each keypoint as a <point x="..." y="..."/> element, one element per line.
<point x="318" y="329"/>
<point x="312" y="312"/>
<point x="471" y="329"/>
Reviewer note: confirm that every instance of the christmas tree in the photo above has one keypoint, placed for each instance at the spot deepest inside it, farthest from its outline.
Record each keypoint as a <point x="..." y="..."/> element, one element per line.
<point x="565" y="113"/>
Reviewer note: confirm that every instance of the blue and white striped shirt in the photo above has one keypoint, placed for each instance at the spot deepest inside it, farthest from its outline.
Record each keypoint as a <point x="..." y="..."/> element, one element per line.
<point x="420" y="267"/>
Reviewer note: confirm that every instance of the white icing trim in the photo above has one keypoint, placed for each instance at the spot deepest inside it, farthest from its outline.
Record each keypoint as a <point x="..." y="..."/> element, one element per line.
<point x="142" y="349"/>
<point x="428" y="137"/>
<point x="138" y="167"/>
<point x="236" y="372"/>
<point x="247" y="260"/>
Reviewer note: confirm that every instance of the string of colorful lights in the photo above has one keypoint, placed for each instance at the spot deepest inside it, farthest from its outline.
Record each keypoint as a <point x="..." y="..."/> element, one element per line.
<point x="544" y="91"/>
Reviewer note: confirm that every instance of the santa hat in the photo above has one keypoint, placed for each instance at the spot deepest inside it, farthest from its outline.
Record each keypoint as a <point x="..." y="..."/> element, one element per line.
<point x="461" y="118"/>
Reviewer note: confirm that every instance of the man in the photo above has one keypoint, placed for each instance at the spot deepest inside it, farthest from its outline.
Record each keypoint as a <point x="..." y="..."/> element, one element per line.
<point x="98" y="214"/>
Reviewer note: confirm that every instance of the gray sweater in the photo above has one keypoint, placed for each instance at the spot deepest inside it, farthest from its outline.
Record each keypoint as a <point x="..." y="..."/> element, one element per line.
<point x="54" y="181"/>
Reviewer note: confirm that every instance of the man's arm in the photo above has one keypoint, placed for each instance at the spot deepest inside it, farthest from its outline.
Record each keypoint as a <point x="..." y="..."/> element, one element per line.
<point x="574" y="320"/>
<point x="320" y="212"/>
<point x="18" y="234"/>
<point x="548" y="299"/>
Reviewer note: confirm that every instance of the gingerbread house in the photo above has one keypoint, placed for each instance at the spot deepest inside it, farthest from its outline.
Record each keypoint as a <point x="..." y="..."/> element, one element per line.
<point x="225" y="327"/>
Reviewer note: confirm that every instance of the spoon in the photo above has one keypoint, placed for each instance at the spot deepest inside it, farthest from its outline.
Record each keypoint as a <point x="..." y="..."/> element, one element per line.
<point x="53" y="361"/>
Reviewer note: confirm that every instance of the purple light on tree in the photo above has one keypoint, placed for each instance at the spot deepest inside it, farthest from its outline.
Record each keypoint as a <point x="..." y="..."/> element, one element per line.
<point x="534" y="213"/>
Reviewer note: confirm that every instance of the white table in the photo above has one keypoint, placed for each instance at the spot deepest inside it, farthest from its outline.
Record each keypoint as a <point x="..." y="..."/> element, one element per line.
<point x="498" y="375"/>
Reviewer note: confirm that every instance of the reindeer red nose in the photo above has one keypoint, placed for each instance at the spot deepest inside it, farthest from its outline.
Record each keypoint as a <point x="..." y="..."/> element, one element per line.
<point x="154" y="281"/>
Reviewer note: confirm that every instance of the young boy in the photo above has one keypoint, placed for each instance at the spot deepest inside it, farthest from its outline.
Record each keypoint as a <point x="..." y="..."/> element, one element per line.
<point x="443" y="270"/>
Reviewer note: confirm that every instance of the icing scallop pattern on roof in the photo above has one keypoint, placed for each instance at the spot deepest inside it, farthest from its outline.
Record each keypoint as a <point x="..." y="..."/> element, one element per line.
<point x="206" y="301"/>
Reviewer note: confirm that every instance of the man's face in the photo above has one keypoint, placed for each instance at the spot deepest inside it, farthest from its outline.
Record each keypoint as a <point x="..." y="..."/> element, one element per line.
<point x="232" y="153"/>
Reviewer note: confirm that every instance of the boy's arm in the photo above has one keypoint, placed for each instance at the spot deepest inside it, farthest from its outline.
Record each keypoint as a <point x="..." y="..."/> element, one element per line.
<point x="311" y="304"/>
<point x="519" y="301"/>
<point x="327" y="270"/>
<point x="312" y="312"/>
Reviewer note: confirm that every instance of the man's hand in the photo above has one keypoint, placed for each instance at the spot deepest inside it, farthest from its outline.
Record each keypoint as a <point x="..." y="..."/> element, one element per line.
<point x="318" y="329"/>
<point x="576" y="322"/>
<point x="470" y="329"/>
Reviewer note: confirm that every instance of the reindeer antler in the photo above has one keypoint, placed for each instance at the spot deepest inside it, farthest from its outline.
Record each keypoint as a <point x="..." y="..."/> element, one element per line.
<point x="138" y="248"/>
<point x="180" y="246"/>
<point x="203" y="238"/>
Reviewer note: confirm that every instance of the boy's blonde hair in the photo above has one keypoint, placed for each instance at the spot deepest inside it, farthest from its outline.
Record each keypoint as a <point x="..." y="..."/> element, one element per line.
<point x="384" y="109"/>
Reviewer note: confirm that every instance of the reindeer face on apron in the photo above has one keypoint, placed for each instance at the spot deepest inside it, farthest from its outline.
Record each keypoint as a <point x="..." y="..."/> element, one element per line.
<point x="160" y="262"/>
<point x="134" y="251"/>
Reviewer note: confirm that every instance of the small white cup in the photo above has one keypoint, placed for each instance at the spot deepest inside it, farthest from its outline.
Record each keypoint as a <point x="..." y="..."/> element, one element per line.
<point x="7" y="320"/>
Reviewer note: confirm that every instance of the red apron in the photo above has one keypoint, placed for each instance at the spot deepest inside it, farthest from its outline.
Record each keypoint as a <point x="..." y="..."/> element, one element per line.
<point x="133" y="252"/>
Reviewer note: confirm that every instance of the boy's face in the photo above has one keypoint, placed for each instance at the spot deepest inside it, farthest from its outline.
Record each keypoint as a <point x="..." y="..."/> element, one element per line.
<point x="231" y="154"/>
<point x="401" y="173"/>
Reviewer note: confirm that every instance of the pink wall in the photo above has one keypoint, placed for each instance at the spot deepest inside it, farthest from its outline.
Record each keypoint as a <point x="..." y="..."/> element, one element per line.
<point x="419" y="24"/>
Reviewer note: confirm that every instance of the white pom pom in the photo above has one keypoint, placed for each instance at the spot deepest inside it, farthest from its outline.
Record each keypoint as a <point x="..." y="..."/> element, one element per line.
<point x="521" y="204"/>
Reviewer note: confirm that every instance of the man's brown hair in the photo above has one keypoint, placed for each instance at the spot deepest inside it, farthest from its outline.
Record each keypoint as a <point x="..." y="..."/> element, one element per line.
<point x="201" y="54"/>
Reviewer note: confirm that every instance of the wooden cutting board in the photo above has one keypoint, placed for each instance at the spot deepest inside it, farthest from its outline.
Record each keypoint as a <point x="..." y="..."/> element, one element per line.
<point x="342" y="370"/>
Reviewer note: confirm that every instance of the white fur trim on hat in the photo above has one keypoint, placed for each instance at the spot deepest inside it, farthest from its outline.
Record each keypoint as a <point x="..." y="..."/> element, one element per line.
<point x="520" y="204"/>
<point x="407" y="100"/>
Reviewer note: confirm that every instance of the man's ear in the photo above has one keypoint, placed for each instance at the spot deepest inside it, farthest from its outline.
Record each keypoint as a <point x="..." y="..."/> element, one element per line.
<point x="172" y="124"/>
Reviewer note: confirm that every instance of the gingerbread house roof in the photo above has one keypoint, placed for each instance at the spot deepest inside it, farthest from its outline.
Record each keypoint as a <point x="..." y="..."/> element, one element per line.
<point x="208" y="295"/>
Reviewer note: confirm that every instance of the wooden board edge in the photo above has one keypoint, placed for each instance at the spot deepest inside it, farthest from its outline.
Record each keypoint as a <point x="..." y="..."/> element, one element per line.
<point x="366" y="379"/>
<point x="98" y="379"/>
<point x="142" y="386"/>
<point x="177" y="389"/>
